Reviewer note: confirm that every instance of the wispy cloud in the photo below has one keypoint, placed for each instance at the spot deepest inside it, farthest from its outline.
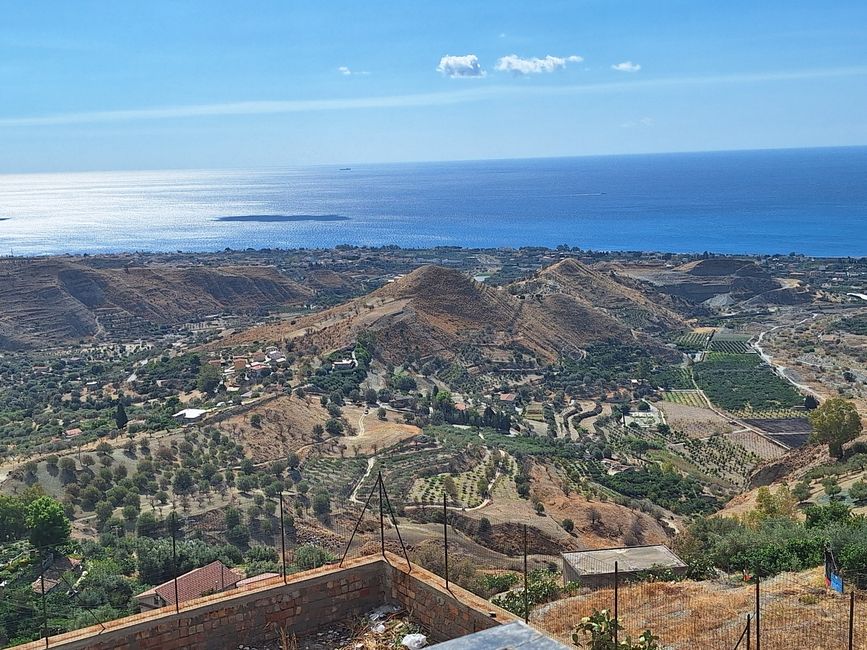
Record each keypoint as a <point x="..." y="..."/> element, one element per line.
<point x="460" y="66"/>
<point x="626" y="66"/>
<point x="476" y="93"/>
<point x="523" y="66"/>
<point x="631" y="124"/>
<point x="348" y="72"/>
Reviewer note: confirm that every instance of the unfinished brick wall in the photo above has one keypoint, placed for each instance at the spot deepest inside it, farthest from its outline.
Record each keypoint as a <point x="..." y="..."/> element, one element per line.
<point x="444" y="614"/>
<point x="257" y="613"/>
<point x="249" y="615"/>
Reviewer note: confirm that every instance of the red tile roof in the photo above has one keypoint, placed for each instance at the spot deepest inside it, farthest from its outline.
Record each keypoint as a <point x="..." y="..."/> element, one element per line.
<point x="210" y="578"/>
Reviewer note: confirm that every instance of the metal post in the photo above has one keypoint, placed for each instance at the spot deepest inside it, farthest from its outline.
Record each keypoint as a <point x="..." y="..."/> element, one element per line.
<point x="396" y="528"/>
<point x="357" y="524"/>
<point x="616" y="598"/>
<point x="446" y="538"/>
<point x="44" y="608"/>
<point x="851" y="620"/>
<point x="283" y="536"/>
<point x="749" y="630"/>
<point x="526" y="590"/>
<point x="381" y="517"/>
<point x="175" y="560"/>
<point x="758" y="616"/>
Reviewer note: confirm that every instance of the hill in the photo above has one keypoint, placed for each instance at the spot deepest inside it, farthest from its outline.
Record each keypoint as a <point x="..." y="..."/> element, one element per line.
<point x="435" y="311"/>
<point x="56" y="300"/>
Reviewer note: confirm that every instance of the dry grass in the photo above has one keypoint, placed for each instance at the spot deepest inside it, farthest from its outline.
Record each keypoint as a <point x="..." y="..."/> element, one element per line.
<point x="797" y="612"/>
<point x="287" y="425"/>
<point x="693" y="421"/>
<point x="377" y="434"/>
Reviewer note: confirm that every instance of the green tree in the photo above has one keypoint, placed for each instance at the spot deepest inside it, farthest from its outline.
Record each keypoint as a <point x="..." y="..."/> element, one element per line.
<point x="120" y="417"/>
<point x="47" y="523"/>
<point x="801" y="491"/>
<point x="308" y="556"/>
<point x="858" y="491"/>
<point x="208" y="379"/>
<point x="835" y="422"/>
<point x="183" y="481"/>
<point x="321" y="502"/>
<point x="568" y="525"/>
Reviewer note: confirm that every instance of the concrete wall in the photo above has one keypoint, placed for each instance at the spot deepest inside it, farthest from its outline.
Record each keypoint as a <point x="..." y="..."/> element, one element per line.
<point x="257" y="613"/>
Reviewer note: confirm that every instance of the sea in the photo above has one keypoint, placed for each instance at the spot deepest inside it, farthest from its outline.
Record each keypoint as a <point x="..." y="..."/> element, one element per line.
<point x="810" y="201"/>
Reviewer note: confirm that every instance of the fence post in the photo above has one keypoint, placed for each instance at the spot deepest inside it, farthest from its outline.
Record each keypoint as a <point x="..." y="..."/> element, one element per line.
<point x="446" y="539"/>
<point x="44" y="608"/>
<point x="758" y="615"/>
<point x="283" y="536"/>
<point x="526" y="590"/>
<point x="749" y="631"/>
<point x="616" y="599"/>
<point x="851" y="620"/>
<point x="175" y="560"/>
<point x="381" y="517"/>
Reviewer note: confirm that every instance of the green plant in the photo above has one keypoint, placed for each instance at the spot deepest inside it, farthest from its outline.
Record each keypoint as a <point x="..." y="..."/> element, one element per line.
<point x="602" y="628"/>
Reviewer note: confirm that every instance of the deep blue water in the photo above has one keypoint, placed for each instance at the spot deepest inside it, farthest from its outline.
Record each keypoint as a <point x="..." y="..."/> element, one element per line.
<point x="812" y="201"/>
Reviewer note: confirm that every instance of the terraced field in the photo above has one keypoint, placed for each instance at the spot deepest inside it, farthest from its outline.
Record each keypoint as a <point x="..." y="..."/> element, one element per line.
<point x="337" y="475"/>
<point x="401" y="469"/>
<point x="429" y="490"/>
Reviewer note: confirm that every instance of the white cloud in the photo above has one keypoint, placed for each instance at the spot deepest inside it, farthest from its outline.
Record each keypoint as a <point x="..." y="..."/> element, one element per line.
<point x="346" y="71"/>
<point x="644" y="121"/>
<point x="460" y="66"/>
<point x="517" y="65"/>
<point x="626" y="66"/>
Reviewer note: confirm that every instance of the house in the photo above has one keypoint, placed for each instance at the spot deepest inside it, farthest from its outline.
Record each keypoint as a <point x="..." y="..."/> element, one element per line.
<point x="596" y="568"/>
<point x="343" y="364"/>
<point x="239" y="363"/>
<point x="54" y="571"/>
<point x="72" y="433"/>
<point x="209" y="579"/>
<point x="508" y="398"/>
<point x="189" y="415"/>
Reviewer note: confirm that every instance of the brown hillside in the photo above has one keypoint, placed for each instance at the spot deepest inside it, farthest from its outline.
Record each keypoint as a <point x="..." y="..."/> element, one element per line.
<point x="434" y="311"/>
<point x="605" y="291"/>
<point x="58" y="300"/>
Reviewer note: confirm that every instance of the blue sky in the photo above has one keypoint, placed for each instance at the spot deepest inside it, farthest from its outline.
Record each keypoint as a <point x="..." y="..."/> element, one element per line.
<point x="136" y="85"/>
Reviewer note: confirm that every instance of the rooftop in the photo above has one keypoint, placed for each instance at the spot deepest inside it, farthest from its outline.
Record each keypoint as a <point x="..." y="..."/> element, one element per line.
<point x="628" y="558"/>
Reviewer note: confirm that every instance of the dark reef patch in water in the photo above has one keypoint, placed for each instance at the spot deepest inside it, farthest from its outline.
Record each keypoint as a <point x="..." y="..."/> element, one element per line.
<point x="276" y="218"/>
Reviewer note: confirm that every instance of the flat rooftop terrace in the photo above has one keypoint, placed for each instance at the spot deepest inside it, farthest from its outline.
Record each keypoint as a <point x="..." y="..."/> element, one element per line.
<point x="259" y="614"/>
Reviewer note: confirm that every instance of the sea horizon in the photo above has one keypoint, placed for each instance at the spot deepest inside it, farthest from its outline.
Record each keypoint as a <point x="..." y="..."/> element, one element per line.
<point x="762" y="201"/>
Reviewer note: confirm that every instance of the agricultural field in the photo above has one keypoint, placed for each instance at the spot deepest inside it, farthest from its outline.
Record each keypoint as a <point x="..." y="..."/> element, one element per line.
<point x="756" y="444"/>
<point x="736" y="381"/>
<point x="719" y="457"/>
<point x="469" y="486"/>
<point x="692" y="398"/>
<point x="695" y="422"/>
<point x="696" y="340"/>
<point x="730" y="347"/>
<point x="337" y="476"/>
<point x="730" y="342"/>
<point x="672" y="378"/>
